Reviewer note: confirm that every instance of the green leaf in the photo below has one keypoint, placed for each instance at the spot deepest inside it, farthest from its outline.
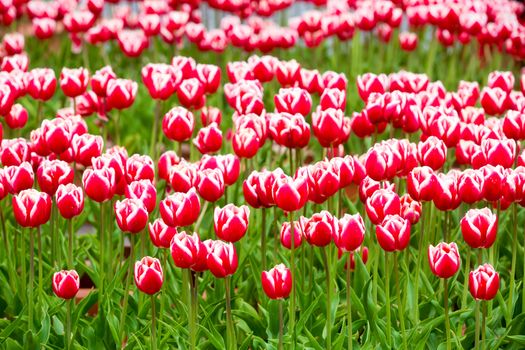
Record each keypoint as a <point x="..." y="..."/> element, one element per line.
<point x="58" y="326"/>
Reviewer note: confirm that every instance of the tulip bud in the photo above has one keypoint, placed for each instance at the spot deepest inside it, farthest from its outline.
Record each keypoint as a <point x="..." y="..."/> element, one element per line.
<point x="31" y="208"/>
<point x="382" y="203"/>
<point x="393" y="233"/>
<point x="180" y="209"/>
<point x="144" y="191"/>
<point x="245" y="143"/>
<point x="53" y="173"/>
<point x="70" y="200"/>
<point x="323" y="181"/>
<point x="140" y="167"/>
<point x="178" y="124"/>
<point x="99" y="184"/>
<point x="410" y="209"/>
<point x="222" y="259"/>
<point x="349" y="233"/>
<point x="86" y="147"/>
<point x="286" y="235"/>
<point x="66" y="284"/>
<point x="17" y="117"/>
<point x="293" y="101"/>
<point x="320" y="228"/>
<point x="432" y="152"/>
<point x="483" y="282"/>
<point x="479" y="228"/>
<point x="209" y="139"/>
<point x="290" y="194"/>
<point x="231" y="222"/>
<point x="74" y="82"/>
<point x="186" y="249"/>
<point x="161" y="234"/>
<point x="148" y="275"/>
<point x="289" y="130"/>
<point x="210" y="184"/>
<point x="18" y="178"/>
<point x="131" y="215"/>
<point x="41" y="83"/>
<point x="166" y="160"/>
<point x="100" y="80"/>
<point x="121" y="93"/>
<point x="444" y="259"/>
<point x="277" y="282"/>
<point x="330" y="127"/>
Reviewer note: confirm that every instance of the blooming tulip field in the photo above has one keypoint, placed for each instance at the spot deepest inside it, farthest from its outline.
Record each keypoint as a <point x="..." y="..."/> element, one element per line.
<point x="271" y="174"/>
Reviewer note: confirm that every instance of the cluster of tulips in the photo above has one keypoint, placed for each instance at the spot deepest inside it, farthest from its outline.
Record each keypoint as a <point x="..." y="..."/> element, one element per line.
<point x="318" y="184"/>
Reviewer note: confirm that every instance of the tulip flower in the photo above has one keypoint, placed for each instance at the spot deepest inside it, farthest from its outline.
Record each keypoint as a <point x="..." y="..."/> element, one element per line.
<point x="53" y="173"/>
<point x="479" y="228"/>
<point x="290" y="194"/>
<point x="182" y="176"/>
<point x="231" y="222"/>
<point x="258" y="188"/>
<point x="131" y="215"/>
<point x="210" y="184"/>
<point x="74" y="82"/>
<point x="180" y="209"/>
<point x="161" y="234"/>
<point x="484" y="282"/>
<point x="393" y="233"/>
<point x="101" y="79"/>
<point x="17" y="117"/>
<point x="222" y="259"/>
<point x="277" y="282"/>
<point x="18" y="178"/>
<point x="31" y="208"/>
<point x="144" y="191"/>
<point x="166" y="160"/>
<point x="121" y="93"/>
<point x="178" y="124"/>
<point x="320" y="228"/>
<point x="99" y="184"/>
<point x="139" y="167"/>
<point x="286" y="235"/>
<point x="349" y="233"/>
<point x="444" y="259"/>
<point x="209" y="139"/>
<point x="245" y="143"/>
<point x="382" y="203"/>
<point x="148" y="275"/>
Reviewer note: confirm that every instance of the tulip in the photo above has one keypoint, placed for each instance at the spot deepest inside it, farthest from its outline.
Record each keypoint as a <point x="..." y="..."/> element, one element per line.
<point x="121" y="93"/>
<point x="484" y="282"/>
<point x="210" y="184"/>
<point x="53" y="173"/>
<point x="182" y="176"/>
<point x="211" y="115"/>
<point x="323" y="181"/>
<point x="17" y="117"/>
<point x="191" y="93"/>
<point x="144" y="191"/>
<point x="293" y="101"/>
<point x="333" y="98"/>
<point x="410" y="209"/>
<point x="432" y="152"/>
<point x="70" y="200"/>
<point x="222" y="259"/>
<point x="18" y="178"/>
<point x="161" y="234"/>
<point x="139" y="167"/>
<point x="245" y="143"/>
<point x="180" y="209"/>
<point x="101" y="79"/>
<point x="444" y="259"/>
<point x="277" y="282"/>
<point x="286" y="235"/>
<point x="178" y="124"/>
<point x="330" y="127"/>
<point x="66" y="284"/>
<point x="131" y="215"/>
<point x="393" y="233"/>
<point x="31" y="208"/>
<point x="257" y="188"/>
<point x="186" y="250"/>
<point x="231" y="222"/>
<point x="74" y="82"/>
<point x="41" y="83"/>
<point x="15" y="152"/>
<point x="320" y="228"/>
<point x="44" y="28"/>
<point x="349" y="233"/>
<point x="209" y="139"/>
<point x="161" y="80"/>
<point x="86" y="147"/>
<point x="289" y="130"/>
<point x="470" y="186"/>
<point x="408" y="41"/>
<point x="148" y="275"/>
<point x="479" y="228"/>
<point x="382" y="203"/>
<point x="166" y="160"/>
<point x="290" y="194"/>
<point x="99" y="184"/>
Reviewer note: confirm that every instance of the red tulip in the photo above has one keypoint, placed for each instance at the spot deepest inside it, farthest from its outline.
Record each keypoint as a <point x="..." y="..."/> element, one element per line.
<point x="148" y="275"/>
<point x="258" y="188"/>
<point x="483" y="282"/>
<point x="121" y="93"/>
<point x="323" y="181"/>
<point x="178" y="124"/>
<point x="86" y="147"/>
<point x="70" y="200"/>
<point x="421" y="182"/>
<point x="320" y="228"/>
<point x="370" y="83"/>
<point x="410" y="209"/>
<point x="210" y="77"/>
<point x="289" y="130"/>
<point x="479" y="228"/>
<point x="290" y="194"/>
<point x="52" y="173"/>
<point x="277" y="282"/>
<point x="18" y="177"/>
<point x="211" y="115"/>
<point x="382" y="203"/>
<point x="393" y="233"/>
<point x="287" y="72"/>
<point x="502" y="80"/>
<point x="131" y="215"/>
<point x="74" y="82"/>
<point x="470" y="186"/>
<point x="41" y="83"/>
<point x="139" y="167"/>
<point x="44" y="28"/>
<point x="444" y="259"/>
<point x="209" y="139"/>
<point x="66" y="284"/>
<point x="15" y="152"/>
<point x="446" y="195"/>
<point x="17" y="117"/>
<point x="180" y="209"/>
<point x="349" y="233"/>
<point x="231" y="222"/>
<point x="432" y="152"/>
<point x="7" y="98"/>
<point x="245" y="143"/>
<point x="186" y="250"/>
<point x="166" y="160"/>
<point x="222" y="259"/>
<point x="210" y="184"/>
<point x="408" y="41"/>
<point x="499" y="152"/>
<point x="293" y="101"/>
<point x="191" y="93"/>
<point x="161" y="234"/>
<point x="31" y="208"/>
<point x="161" y="80"/>
<point x="145" y="191"/>
<point x="99" y="184"/>
<point x="183" y="176"/>
<point x="493" y="100"/>
<point x="286" y="235"/>
<point x="330" y="127"/>
<point x="333" y="98"/>
<point x="100" y="80"/>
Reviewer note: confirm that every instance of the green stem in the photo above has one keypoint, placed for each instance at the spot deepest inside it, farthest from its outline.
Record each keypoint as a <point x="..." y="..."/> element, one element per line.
<point x="154" y="131"/>
<point x="230" y="333"/>
<point x="131" y="257"/>
<point x="476" y="334"/>
<point x="31" y="278"/>
<point x="376" y="272"/>
<point x="23" y="285"/>
<point x="388" y="306"/>
<point x="191" y="310"/>
<point x="263" y="239"/>
<point x="70" y="244"/>
<point x="513" y="263"/>
<point x="483" y="325"/>
<point x="9" y="252"/>
<point x="291" y="326"/>
<point x="327" y="261"/>
<point x="290" y="156"/>
<point x="281" y="325"/>
<point x="68" y="324"/>
<point x="419" y="261"/>
<point x="348" y="302"/>
<point x="400" y="302"/>
<point x="40" y="261"/>
<point x="447" y="317"/>
<point x="153" y="324"/>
